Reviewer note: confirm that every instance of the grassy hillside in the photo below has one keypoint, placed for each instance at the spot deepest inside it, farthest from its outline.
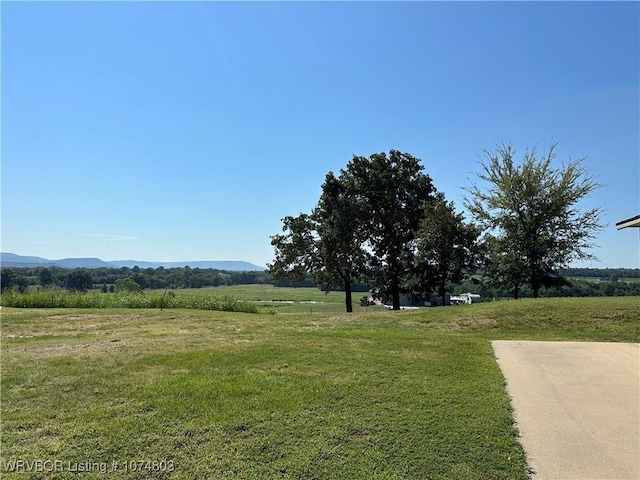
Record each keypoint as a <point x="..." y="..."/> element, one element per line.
<point x="298" y="394"/>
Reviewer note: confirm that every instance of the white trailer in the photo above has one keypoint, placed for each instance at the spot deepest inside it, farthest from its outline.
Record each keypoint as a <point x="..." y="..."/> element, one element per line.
<point x="465" y="299"/>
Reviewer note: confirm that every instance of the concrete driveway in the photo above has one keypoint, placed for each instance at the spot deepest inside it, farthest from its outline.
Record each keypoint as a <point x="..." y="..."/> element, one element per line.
<point x="577" y="407"/>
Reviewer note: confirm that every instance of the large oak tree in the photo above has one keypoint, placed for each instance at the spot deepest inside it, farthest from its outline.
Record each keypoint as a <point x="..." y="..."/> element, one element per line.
<point x="395" y="192"/>
<point x="366" y="221"/>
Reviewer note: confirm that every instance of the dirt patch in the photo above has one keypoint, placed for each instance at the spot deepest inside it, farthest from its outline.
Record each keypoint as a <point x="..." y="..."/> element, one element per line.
<point x="72" y="325"/>
<point x="83" y="349"/>
<point x="104" y="319"/>
<point x="466" y="323"/>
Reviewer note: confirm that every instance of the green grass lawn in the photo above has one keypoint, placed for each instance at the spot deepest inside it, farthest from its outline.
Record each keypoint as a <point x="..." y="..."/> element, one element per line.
<point x="302" y="394"/>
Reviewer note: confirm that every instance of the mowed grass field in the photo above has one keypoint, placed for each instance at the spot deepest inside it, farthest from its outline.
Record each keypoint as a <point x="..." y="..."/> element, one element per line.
<point x="301" y="390"/>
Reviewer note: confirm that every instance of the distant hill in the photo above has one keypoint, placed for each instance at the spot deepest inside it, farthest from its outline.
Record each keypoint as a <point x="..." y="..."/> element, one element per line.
<point x="13" y="260"/>
<point x="231" y="265"/>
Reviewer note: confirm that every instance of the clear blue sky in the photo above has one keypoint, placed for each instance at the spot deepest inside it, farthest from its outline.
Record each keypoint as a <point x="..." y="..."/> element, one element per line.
<point x="186" y="131"/>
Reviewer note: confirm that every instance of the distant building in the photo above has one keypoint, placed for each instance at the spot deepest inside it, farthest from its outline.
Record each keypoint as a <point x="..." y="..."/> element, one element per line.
<point x="629" y="222"/>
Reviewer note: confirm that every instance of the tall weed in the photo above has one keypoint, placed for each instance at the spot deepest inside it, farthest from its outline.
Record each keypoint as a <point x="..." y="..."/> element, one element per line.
<point x="61" y="299"/>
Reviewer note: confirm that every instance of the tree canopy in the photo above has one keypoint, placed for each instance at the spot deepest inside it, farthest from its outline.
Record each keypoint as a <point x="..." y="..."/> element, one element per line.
<point x="396" y="193"/>
<point x="382" y="218"/>
<point x="447" y="247"/>
<point x="128" y="285"/>
<point x="80" y="280"/>
<point x="530" y="213"/>
<point x="327" y="243"/>
<point x="366" y="223"/>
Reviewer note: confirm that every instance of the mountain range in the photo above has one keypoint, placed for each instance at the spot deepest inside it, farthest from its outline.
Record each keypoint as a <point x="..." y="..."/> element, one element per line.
<point x="13" y="260"/>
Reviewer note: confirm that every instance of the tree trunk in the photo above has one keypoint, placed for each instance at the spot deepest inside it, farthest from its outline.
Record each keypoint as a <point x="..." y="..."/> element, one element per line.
<point x="535" y="286"/>
<point x="534" y="274"/>
<point x="516" y="291"/>
<point x="347" y="294"/>
<point x="395" y="292"/>
<point x="535" y="282"/>
<point x="443" y="294"/>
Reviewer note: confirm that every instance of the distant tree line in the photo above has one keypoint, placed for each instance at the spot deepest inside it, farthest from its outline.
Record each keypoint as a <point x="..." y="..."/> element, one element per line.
<point x="107" y="279"/>
<point x="582" y="282"/>
<point x="611" y="274"/>
<point x="579" y="283"/>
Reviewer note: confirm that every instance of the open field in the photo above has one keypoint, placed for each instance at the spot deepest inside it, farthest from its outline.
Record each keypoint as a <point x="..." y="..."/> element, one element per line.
<point x="600" y="279"/>
<point x="272" y="299"/>
<point x="303" y="394"/>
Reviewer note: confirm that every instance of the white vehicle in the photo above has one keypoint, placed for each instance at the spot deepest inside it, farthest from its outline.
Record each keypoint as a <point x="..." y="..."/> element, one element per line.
<point x="465" y="298"/>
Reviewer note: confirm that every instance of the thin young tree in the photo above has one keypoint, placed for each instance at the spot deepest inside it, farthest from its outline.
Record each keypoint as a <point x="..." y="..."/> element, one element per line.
<point x="532" y="210"/>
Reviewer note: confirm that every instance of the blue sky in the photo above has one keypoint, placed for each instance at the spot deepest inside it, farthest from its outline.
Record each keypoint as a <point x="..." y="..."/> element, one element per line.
<point x="175" y="131"/>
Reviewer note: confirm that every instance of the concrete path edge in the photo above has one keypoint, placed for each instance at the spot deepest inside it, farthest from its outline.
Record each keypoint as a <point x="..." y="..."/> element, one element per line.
<point x="576" y="406"/>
